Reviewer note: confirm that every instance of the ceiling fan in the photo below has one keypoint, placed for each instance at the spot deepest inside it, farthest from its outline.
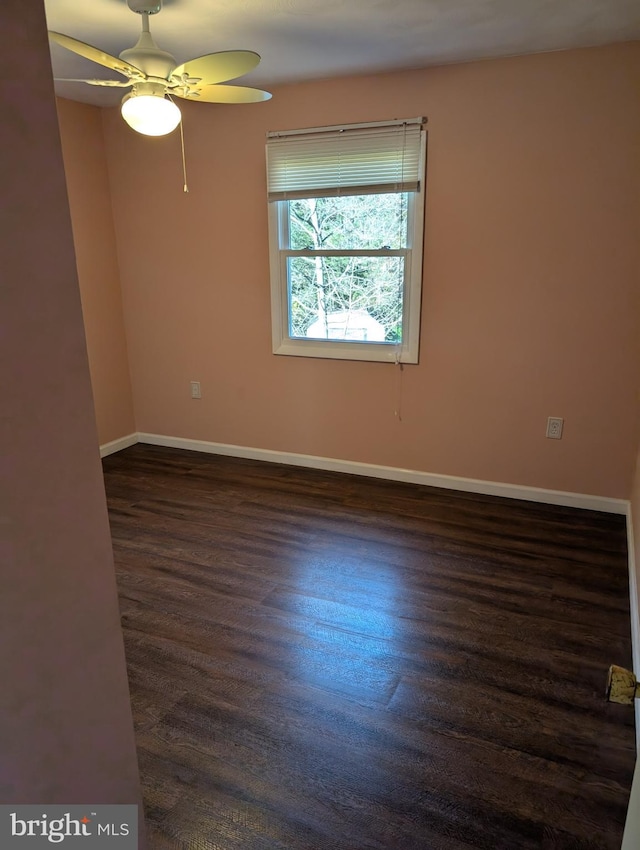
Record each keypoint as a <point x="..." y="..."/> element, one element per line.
<point x="154" y="76"/>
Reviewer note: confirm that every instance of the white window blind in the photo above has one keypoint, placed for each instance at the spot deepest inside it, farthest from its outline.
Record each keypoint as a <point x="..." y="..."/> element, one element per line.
<point x="354" y="160"/>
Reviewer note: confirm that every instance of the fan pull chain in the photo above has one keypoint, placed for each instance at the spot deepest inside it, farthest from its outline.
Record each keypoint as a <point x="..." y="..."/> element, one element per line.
<point x="185" y="187"/>
<point x="400" y="370"/>
<point x="184" y="161"/>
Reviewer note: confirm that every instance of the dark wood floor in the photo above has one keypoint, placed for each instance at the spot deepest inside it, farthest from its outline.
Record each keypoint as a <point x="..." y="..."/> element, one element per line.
<point x="326" y="662"/>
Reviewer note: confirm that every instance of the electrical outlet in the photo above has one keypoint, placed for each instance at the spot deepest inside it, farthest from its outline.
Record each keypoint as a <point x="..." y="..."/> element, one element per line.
<point x="195" y="389"/>
<point x="554" y="427"/>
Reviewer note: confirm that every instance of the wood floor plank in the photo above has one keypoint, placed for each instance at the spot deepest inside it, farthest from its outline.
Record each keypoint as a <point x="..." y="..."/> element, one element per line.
<point x="320" y="661"/>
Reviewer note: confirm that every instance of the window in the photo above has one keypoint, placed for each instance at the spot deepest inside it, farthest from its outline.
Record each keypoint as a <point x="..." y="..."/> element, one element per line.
<point x="345" y="240"/>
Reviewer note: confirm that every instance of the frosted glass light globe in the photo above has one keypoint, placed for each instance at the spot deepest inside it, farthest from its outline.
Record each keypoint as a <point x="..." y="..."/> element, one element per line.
<point x="150" y="115"/>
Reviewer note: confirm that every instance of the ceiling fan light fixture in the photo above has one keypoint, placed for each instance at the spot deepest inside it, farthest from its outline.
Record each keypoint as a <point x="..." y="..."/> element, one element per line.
<point x="150" y="114"/>
<point x="155" y="78"/>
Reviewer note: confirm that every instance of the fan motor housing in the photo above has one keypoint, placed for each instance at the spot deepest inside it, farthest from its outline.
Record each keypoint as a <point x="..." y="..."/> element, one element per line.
<point x="145" y="7"/>
<point x="149" y="58"/>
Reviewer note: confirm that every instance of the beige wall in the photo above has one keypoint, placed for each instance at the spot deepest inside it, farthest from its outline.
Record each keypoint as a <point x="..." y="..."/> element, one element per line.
<point x="66" y="727"/>
<point x="96" y="255"/>
<point x="530" y="293"/>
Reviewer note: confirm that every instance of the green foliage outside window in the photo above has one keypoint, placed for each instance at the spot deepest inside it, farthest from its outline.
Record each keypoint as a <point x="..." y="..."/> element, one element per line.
<point x="322" y="286"/>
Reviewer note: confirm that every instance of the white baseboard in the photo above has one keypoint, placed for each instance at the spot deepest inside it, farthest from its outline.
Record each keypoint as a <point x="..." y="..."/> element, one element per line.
<point x="411" y="476"/>
<point x="634" y="601"/>
<point x="118" y="445"/>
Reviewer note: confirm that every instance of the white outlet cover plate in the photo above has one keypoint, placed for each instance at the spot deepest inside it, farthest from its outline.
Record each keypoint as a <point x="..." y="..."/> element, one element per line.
<point x="554" y="427"/>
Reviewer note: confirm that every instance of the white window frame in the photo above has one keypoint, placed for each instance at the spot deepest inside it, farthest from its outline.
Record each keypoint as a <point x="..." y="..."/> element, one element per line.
<point x="279" y="253"/>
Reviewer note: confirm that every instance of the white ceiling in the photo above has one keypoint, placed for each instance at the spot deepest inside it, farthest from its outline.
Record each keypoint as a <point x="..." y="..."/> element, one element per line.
<point x="305" y="39"/>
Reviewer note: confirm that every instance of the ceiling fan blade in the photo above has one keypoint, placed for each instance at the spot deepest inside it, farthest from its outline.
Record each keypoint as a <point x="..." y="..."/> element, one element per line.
<point x="217" y="67"/>
<point x="97" y="55"/>
<point x="225" y="94"/>
<point x="117" y="83"/>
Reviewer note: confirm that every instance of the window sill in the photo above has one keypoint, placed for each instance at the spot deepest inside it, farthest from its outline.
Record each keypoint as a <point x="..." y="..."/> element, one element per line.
<point x="377" y="352"/>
